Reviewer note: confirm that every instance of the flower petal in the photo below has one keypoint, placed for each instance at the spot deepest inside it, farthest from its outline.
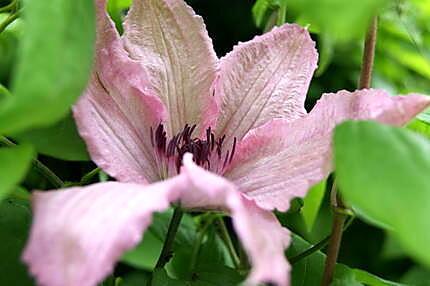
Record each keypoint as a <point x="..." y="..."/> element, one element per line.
<point x="281" y="160"/>
<point x="172" y="43"/>
<point x="263" y="238"/>
<point x="79" y="233"/>
<point x="115" y="113"/>
<point x="265" y="78"/>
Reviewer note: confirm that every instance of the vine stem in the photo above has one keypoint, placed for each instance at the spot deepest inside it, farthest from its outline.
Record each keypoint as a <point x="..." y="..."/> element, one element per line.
<point x="166" y="251"/>
<point x="320" y="245"/>
<point x="337" y="203"/>
<point x="39" y="166"/>
<point x="228" y="243"/>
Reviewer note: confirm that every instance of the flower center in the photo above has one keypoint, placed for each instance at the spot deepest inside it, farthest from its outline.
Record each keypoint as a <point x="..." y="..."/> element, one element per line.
<point x="208" y="152"/>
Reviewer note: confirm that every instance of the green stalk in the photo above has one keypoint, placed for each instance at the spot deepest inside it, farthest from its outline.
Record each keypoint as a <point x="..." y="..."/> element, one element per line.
<point x="39" y="166"/>
<point x="166" y="251"/>
<point x="228" y="243"/>
<point x="88" y="177"/>
<point x="320" y="245"/>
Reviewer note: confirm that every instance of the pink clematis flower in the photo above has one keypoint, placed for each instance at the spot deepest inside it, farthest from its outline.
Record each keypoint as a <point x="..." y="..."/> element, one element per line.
<point x="173" y="123"/>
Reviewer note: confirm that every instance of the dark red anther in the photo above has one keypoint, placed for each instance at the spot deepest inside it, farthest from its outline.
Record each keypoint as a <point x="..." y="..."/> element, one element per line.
<point x="208" y="135"/>
<point x="233" y="149"/>
<point x="183" y="142"/>
<point x="212" y="141"/>
<point x="192" y="130"/>
<point x="226" y="159"/>
<point x="151" y="131"/>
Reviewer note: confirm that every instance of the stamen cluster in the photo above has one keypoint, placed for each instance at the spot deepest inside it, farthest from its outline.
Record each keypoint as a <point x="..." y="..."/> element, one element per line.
<point x="204" y="150"/>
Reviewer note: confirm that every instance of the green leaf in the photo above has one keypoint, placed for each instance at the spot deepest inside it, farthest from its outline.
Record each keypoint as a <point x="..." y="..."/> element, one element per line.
<point x="61" y="140"/>
<point x="385" y="172"/>
<point x="116" y="9"/>
<point x="263" y="9"/>
<point x="417" y="276"/>
<point x="392" y="249"/>
<point x="55" y="58"/>
<point x="135" y="278"/>
<point x="8" y="47"/>
<point x="370" y="279"/>
<point x="206" y="272"/>
<point x="420" y="126"/>
<point x="14" y="164"/>
<point x="160" y="278"/>
<point x="4" y="93"/>
<point x="15" y="219"/>
<point x="326" y="51"/>
<point x="342" y="20"/>
<point x="146" y="253"/>
<point x="309" y="270"/>
<point x="312" y="203"/>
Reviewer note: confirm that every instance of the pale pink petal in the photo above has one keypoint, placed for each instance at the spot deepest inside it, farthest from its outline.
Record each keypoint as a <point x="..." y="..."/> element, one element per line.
<point x="171" y="43"/>
<point x="263" y="238"/>
<point x="79" y="233"/>
<point x="281" y="160"/>
<point x="265" y="78"/>
<point x="116" y="112"/>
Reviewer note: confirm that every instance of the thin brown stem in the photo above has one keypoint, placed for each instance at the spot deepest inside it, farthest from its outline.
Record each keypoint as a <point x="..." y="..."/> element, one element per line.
<point x="335" y="237"/>
<point x="368" y="55"/>
<point x="338" y="205"/>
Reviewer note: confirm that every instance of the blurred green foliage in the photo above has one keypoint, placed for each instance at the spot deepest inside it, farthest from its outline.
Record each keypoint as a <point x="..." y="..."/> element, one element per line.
<point x="396" y="191"/>
<point x="49" y="74"/>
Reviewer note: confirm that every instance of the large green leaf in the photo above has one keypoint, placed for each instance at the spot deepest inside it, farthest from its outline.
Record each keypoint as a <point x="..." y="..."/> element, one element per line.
<point x="14" y="163"/>
<point x="55" y="58"/>
<point x="61" y="140"/>
<point x="384" y="171"/>
<point x="15" y="218"/>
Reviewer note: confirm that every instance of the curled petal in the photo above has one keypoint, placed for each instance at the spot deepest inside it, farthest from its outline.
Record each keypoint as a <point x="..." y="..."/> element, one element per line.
<point x="265" y="78"/>
<point x="171" y="43"/>
<point x="282" y="160"/>
<point x="79" y="233"/>
<point x="118" y="108"/>
<point x="263" y="238"/>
